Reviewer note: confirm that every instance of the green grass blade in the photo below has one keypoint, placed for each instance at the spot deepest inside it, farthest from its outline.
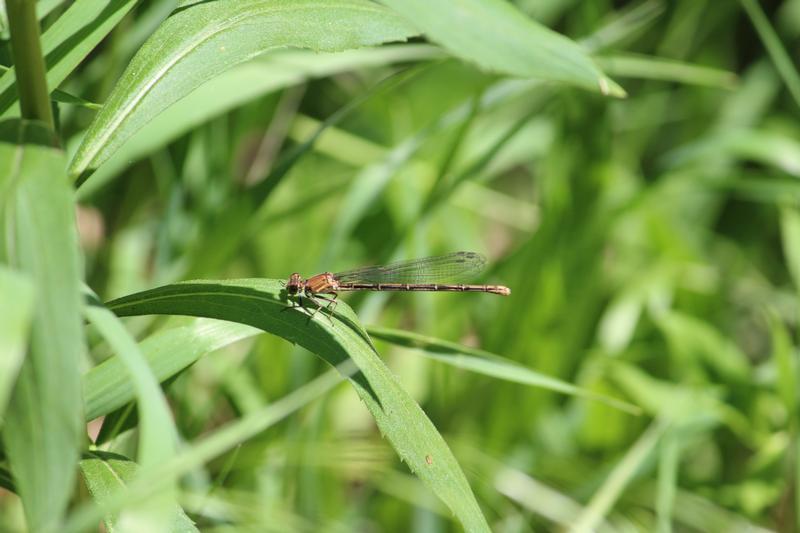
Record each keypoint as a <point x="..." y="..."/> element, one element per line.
<point x="603" y="500"/>
<point x="6" y="481"/>
<point x="29" y="67"/>
<point x="771" y="148"/>
<point x="68" y="41"/>
<point x="656" y="68"/>
<point x="259" y="194"/>
<point x="790" y="238"/>
<point x="783" y="63"/>
<point x="489" y="364"/>
<point x="785" y="368"/>
<point x="241" y="84"/>
<point x="16" y="307"/>
<point x="44" y="420"/>
<point x="693" y="341"/>
<point x="45" y="7"/>
<point x="107" y="474"/>
<point x="168" y="352"/>
<point x="63" y="96"/>
<point x="202" y="40"/>
<point x="681" y="404"/>
<point x="625" y="25"/>
<point x="157" y="433"/>
<point x="668" y="463"/>
<point x="259" y="303"/>
<point x="498" y="37"/>
<point x="207" y="448"/>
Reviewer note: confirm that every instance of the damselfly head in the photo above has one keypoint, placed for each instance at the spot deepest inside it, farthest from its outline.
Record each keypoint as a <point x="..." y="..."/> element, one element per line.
<point x="295" y="285"/>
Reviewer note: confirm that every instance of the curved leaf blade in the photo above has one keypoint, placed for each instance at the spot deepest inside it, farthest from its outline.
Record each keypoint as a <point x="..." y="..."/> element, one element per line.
<point x="489" y="364"/>
<point x="17" y="291"/>
<point x="204" y="39"/>
<point x="157" y="434"/>
<point x="263" y="75"/>
<point x="106" y="474"/>
<point x="498" y="37"/>
<point x="107" y="387"/>
<point x="68" y="41"/>
<point x="261" y="303"/>
<point x="203" y="450"/>
<point x="44" y="419"/>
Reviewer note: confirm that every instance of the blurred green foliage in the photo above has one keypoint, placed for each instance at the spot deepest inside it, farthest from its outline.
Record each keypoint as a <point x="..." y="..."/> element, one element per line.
<point x="652" y="245"/>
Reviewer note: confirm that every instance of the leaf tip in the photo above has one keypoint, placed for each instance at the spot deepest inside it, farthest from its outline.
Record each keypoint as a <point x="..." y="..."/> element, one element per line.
<point x="609" y="87"/>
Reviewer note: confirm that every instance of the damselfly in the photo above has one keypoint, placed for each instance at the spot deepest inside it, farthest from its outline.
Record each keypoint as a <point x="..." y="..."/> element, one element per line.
<point x="426" y="274"/>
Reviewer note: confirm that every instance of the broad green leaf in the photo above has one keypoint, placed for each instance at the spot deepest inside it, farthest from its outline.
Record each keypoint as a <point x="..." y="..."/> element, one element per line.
<point x="68" y="41"/>
<point x="243" y="83"/>
<point x="262" y="304"/>
<point x="201" y="40"/>
<point x="16" y="308"/>
<point x="106" y="387"/>
<point x="44" y="420"/>
<point x="107" y="474"/>
<point x="498" y="37"/>
<point x="489" y="364"/>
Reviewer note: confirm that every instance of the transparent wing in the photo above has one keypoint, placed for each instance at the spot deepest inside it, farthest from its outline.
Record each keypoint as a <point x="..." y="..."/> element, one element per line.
<point x="441" y="268"/>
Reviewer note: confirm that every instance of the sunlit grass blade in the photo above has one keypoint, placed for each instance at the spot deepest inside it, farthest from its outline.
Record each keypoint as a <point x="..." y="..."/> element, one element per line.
<point x="790" y="238"/>
<point x="157" y="432"/>
<point x="606" y="496"/>
<point x="499" y="38"/>
<point x="785" y="362"/>
<point x="16" y="307"/>
<point x="107" y="474"/>
<point x="157" y="435"/>
<point x="693" y="341"/>
<point x="772" y="148"/>
<point x="656" y="68"/>
<point x="668" y="463"/>
<point x="536" y="496"/>
<point x="44" y="419"/>
<point x="626" y="24"/>
<point x="202" y="40"/>
<point x="64" y="97"/>
<point x="68" y="41"/>
<point x="207" y="448"/>
<point x="261" y="303"/>
<point x="681" y="404"/>
<point x="781" y="59"/>
<point x="168" y="352"/>
<point x="241" y="84"/>
<point x="257" y="198"/>
<point x="489" y="364"/>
